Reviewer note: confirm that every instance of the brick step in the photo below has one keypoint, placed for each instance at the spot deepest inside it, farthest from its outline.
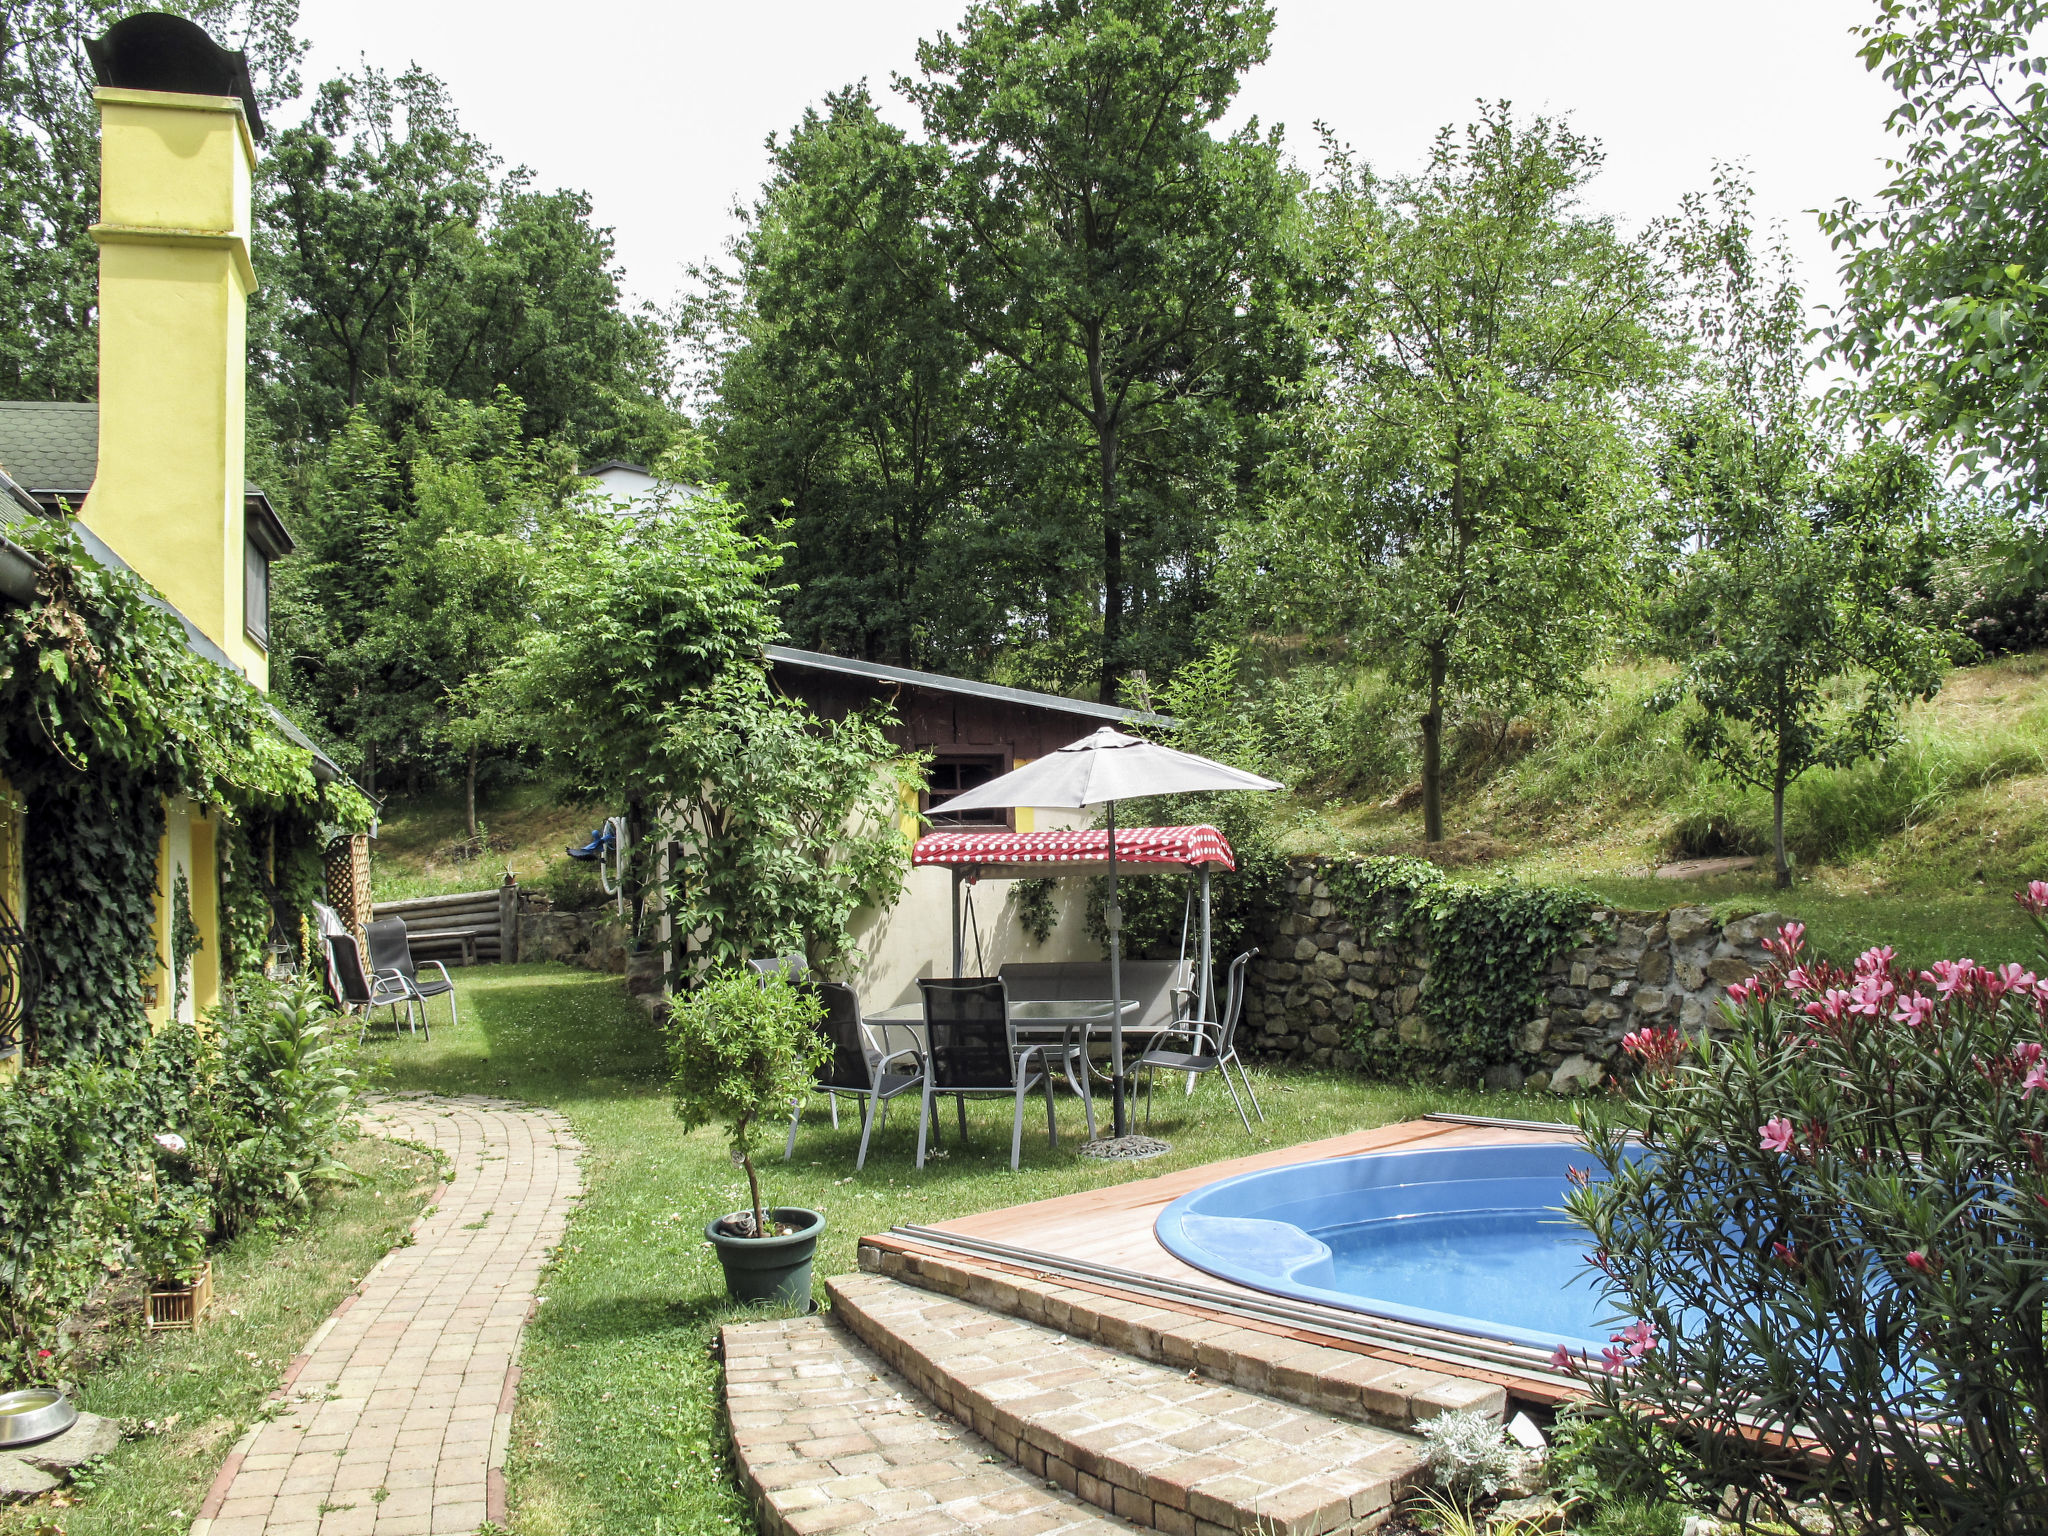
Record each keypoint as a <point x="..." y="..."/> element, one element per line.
<point x="1158" y="1446"/>
<point x="1388" y="1390"/>
<point x="829" y="1439"/>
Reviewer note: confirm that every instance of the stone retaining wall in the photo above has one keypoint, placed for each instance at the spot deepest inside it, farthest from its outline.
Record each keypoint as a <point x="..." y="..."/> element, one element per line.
<point x="594" y="940"/>
<point x="1317" y="992"/>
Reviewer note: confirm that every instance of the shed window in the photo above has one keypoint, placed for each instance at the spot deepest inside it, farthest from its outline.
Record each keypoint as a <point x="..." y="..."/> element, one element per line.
<point x="956" y="775"/>
<point x="256" y="592"/>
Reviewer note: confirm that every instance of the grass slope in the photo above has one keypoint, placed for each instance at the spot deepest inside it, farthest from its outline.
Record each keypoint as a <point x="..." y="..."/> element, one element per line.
<point x="617" y="1429"/>
<point x="418" y="850"/>
<point x="188" y="1397"/>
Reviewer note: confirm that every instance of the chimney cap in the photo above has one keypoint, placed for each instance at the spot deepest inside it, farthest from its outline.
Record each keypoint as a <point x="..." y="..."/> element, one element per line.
<point x="153" y="51"/>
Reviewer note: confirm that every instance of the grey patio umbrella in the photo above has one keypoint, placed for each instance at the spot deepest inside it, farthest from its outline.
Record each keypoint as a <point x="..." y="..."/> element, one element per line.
<point x="1100" y="770"/>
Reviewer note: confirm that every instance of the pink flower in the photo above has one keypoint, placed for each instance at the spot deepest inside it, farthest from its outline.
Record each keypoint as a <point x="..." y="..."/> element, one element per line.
<point x="1952" y="976"/>
<point x="2034" y="898"/>
<point x="2015" y="978"/>
<point x="1640" y="1337"/>
<point x="1870" y="995"/>
<point x="1613" y="1360"/>
<point x="1832" y="1006"/>
<point x="1923" y="1263"/>
<point x="1775" y="1135"/>
<point x="1740" y="992"/>
<point x="1786" y="1255"/>
<point x="1915" y="1010"/>
<point x="1799" y="980"/>
<point x="1561" y="1359"/>
<point x="1875" y="962"/>
<point x="1791" y="939"/>
<point x="2037" y="1078"/>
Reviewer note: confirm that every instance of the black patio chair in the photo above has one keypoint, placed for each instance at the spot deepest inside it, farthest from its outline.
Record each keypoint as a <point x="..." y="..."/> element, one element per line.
<point x="362" y="990"/>
<point x="971" y="1050"/>
<point x="792" y="965"/>
<point x="1212" y="1047"/>
<point x="857" y="1069"/>
<point x="391" y="951"/>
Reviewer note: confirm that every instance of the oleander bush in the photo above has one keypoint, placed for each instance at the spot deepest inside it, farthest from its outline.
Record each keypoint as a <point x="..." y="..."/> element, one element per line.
<point x="203" y="1131"/>
<point x="1829" y="1236"/>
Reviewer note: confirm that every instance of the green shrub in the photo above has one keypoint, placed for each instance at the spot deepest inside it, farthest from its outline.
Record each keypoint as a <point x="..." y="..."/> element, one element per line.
<point x="741" y="1047"/>
<point x="213" y="1126"/>
<point x="1834" y="1227"/>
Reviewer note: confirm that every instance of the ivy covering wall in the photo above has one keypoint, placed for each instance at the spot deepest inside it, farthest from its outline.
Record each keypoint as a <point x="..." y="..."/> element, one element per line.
<point x="105" y="712"/>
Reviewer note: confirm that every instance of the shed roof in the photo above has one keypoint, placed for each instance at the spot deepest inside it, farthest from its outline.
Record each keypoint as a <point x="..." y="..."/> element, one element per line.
<point x="52" y="449"/>
<point x="940" y="682"/>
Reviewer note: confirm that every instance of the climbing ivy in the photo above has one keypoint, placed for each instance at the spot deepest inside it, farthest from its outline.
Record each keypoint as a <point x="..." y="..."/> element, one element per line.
<point x="1488" y="942"/>
<point x="185" y="940"/>
<point x="1036" y="913"/>
<point x="105" y="711"/>
<point x="246" y="917"/>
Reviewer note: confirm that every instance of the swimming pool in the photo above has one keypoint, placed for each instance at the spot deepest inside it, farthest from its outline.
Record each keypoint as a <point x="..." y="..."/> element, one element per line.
<point x="1466" y="1238"/>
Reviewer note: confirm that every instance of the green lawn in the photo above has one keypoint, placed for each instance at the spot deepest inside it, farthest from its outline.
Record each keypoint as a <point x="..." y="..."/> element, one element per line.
<point x="617" y="1429"/>
<point x="187" y="1397"/>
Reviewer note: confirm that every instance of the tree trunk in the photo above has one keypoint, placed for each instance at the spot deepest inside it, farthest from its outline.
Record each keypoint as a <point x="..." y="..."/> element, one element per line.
<point x="754" y="1189"/>
<point x="1781" y="869"/>
<point x="469" y="788"/>
<point x="1433" y="749"/>
<point x="1104" y="419"/>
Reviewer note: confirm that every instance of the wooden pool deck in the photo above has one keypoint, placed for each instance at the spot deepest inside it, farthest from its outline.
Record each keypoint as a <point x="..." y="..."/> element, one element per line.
<point x="1076" y="1237"/>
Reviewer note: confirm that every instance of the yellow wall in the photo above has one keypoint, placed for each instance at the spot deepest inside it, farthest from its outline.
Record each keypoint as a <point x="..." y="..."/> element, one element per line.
<point x="175" y="278"/>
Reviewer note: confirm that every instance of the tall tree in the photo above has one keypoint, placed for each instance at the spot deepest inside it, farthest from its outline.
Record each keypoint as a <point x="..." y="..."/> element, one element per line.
<point x="1471" y="479"/>
<point x="846" y="401"/>
<point x="1102" y="240"/>
<point x="1945" y="274"/>
<point x="1784" y="604"/>
<point x="50" y="172"/>
<point x="401" y="268"/>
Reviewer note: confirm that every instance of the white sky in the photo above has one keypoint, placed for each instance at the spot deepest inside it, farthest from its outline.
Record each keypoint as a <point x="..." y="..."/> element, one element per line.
<point x="658" y="110"/>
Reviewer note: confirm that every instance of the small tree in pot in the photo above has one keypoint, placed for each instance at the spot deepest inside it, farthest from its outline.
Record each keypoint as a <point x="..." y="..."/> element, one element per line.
<point x="740" y="1049"/>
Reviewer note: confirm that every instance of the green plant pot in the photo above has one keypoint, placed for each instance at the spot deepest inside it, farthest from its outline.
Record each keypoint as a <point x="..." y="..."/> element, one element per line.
<point x="773" y="1269"/>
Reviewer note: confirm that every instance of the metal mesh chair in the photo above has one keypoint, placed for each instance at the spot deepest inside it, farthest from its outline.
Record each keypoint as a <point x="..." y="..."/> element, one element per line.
<point x="856" y="1069"/>
<point x="791" y="964"/>
<point x="391" y="953"/>
<point x="1212" y="1047"/>
<point x="972" y="1051"/>
<point x="362" y="990"/>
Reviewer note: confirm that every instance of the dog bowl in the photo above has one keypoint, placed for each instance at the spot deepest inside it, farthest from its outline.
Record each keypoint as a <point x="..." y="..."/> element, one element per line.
<point x="35" y="1413"/>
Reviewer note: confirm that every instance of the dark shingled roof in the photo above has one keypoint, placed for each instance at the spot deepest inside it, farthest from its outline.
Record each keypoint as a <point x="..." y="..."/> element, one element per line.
<point x="51" y="448"/>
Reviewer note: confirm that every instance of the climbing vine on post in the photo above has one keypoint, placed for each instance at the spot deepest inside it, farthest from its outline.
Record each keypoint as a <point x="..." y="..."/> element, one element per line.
<point x="1489" y="944"/>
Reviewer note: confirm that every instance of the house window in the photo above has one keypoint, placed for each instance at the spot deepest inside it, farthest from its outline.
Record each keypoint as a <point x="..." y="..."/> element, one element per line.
<point x="951" y="776"/>
<point x="256" y="593"/>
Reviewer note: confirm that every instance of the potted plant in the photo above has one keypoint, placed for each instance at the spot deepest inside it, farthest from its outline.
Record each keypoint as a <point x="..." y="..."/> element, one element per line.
<point x="741" y="1048"/>
<point x="167" y="1229"/>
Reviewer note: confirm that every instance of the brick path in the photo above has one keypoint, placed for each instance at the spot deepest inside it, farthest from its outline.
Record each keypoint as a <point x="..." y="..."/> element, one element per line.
<point x="394" y="1421"/>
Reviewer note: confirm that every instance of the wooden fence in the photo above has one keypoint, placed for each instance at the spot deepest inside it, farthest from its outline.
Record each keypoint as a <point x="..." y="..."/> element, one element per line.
<point x="479" y="926"/>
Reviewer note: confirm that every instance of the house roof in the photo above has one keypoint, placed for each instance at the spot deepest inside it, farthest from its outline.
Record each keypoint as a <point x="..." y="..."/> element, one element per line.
<point x="939" y="682"/>
<point x="52" y="449"/>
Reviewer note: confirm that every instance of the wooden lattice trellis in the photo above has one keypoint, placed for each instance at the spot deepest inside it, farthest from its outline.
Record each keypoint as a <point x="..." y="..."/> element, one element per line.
<point x="348" y="882"/>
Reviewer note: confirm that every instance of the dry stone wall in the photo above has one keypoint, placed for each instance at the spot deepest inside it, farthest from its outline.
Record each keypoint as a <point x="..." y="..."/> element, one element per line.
<point x="1319" y="995"/>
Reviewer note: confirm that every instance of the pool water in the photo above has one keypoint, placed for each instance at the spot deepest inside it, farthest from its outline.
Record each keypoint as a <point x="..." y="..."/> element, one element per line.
<point x="1530" y="1266"/>
<point x="1467" y="1238"/>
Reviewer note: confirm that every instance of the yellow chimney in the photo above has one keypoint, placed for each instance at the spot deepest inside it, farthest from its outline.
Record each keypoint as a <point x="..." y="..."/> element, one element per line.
<point x="176" y="169"/>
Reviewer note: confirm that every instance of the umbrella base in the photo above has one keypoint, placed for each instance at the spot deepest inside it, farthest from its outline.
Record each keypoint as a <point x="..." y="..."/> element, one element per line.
<point x="1126" y="1149"/>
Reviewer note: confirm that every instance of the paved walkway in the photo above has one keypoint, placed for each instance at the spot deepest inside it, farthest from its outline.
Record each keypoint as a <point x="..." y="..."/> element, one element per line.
<point x="396" y="1418"/>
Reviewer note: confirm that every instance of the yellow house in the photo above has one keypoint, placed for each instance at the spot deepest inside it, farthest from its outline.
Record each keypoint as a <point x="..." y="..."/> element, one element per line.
<point x="152" y="474"/>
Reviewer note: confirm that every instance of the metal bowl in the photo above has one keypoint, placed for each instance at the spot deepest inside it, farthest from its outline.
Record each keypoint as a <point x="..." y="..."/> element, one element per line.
<point x="34" y="1413"/>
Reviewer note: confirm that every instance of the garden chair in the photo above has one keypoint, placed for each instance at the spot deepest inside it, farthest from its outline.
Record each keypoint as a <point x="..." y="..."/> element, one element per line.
<point x="391" y="950"/>
<point x="1212" y="1047"/>
<point x="792" y="965"/>
<point x="971" y="1050"/>
<point x="856" y="1069"/>
<point x="363" y="990"/>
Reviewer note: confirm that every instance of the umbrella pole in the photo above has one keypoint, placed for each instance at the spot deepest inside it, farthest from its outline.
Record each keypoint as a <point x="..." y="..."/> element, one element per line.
<point x="959" y="944"/>
<point x="1113" y="921"/>
<point x="1208" y="965"/>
